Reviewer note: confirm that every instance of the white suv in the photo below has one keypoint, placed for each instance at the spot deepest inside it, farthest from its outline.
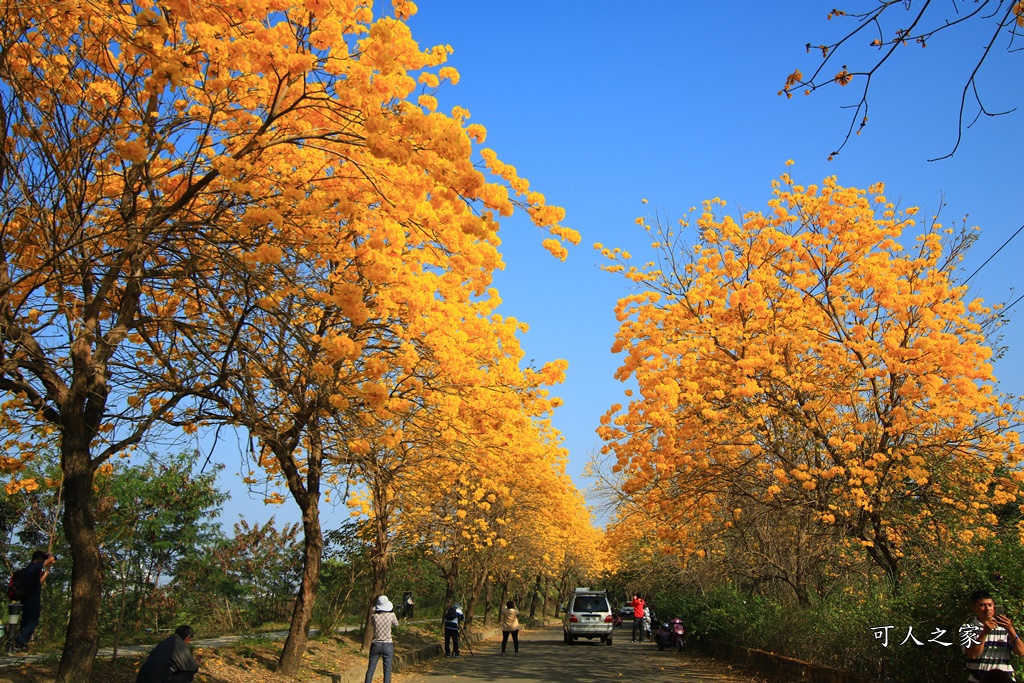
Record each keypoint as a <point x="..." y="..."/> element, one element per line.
<point x="587" y="615"/>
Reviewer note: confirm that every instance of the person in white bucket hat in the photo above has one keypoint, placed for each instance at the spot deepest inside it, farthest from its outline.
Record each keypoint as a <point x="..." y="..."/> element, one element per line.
<point x="382" y="647"/>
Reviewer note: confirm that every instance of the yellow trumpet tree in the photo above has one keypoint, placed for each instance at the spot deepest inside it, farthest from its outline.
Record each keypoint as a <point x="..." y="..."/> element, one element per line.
<point x="437" y="423"/>
<point x="505" y="464"/>
<point x="537" y="523"/>
<point x="140" y="144"/>
<point x="806" y="357"/>
<point x="338" y="370"/>
<point x="553" y="544"/>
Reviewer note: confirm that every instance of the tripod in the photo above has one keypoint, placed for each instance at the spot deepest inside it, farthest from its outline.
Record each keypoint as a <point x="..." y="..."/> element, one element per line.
<point x="13" y="617"/>
<point x="465" y="639"/>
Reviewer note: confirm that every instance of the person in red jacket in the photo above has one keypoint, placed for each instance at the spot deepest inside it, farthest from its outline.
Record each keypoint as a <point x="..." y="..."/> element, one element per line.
<point x="638" y="618"/>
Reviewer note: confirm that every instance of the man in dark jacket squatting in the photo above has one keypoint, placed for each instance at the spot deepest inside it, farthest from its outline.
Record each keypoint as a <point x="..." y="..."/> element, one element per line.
<point x="171" y="661"/>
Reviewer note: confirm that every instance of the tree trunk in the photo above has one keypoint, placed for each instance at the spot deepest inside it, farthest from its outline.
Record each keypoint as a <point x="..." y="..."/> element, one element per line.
<point x="880" y="549"/>
<point x="535" y="599"/>
<point x="83" y="633"/>
<point x="339" y="603"/>
<point x="451" y="577"/>
<point x="800" y="571"/>
<point x="449" y="593"/>
<point x="302" y="614"/>
<point x="563" y="592"/>
<point x="488" y="604"/>
<point x="380" y="486"/>
<point x="544" y="599"/>
<point x="885" y="558"/>
<point x="308" y="498"/>
<point x="120" y="613"/>
<point x="474" y="596"/>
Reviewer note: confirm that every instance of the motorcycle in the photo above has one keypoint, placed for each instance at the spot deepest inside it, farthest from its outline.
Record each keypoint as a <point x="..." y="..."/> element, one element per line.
<point x="670" y="634"/>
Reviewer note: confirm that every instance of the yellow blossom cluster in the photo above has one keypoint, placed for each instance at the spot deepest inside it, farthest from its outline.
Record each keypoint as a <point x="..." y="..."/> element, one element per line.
<point x="809" y="357"/>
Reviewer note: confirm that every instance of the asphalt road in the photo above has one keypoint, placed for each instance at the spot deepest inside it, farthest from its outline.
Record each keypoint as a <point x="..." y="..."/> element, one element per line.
<point x="544" y="657"/>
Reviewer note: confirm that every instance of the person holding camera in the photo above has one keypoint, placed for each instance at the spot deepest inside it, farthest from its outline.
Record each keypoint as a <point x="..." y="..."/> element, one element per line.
<point x="453" y="618"/>
<point x="637" y="603"/>
<point x="32" y="600"/>
<point x="509" y="618"/>
<point x="382" y="646"/>
<point x="989" y="640"/>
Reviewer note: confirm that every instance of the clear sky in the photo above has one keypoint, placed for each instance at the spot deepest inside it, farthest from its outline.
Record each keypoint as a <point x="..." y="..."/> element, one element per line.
<point x="602" y="104"/>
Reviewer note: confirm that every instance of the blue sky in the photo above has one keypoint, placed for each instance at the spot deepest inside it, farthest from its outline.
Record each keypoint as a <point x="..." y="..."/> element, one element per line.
<point x="602" y="104"/>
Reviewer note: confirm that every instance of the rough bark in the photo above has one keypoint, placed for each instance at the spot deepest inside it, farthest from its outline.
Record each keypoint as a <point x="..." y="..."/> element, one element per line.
<point x="307" y="495"/>
<point x="302" y="615"/>
<point x="488" y="603"/>
<point x="381" y="500"/>
<point x="504" y="593"/>
<point x="83" y="633"/>
<point x="451" y="577"/>
<point x="535" y="599"/>
<point x="475" y="596"/>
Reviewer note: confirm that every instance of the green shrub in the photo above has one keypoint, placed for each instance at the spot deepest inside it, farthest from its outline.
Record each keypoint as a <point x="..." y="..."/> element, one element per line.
<point x="839" y="631"/>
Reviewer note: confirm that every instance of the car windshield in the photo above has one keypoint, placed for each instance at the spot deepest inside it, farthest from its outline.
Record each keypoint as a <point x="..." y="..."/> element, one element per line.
<point x="590" y="603"/>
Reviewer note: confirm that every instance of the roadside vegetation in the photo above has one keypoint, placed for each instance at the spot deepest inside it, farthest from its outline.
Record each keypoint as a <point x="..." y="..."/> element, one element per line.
<point x="167" y="561"/>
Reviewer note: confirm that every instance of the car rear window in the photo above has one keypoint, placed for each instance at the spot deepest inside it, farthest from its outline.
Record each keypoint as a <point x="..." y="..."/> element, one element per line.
<point x="590" y="603"/>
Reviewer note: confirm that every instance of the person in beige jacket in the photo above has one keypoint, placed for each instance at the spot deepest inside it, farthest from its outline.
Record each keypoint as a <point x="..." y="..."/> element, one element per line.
<point x="510" y="625"/>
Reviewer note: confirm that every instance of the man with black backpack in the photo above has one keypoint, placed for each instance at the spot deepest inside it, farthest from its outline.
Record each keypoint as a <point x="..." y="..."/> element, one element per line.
<point x="453" y="619"/>
<point x="27" y="587"/>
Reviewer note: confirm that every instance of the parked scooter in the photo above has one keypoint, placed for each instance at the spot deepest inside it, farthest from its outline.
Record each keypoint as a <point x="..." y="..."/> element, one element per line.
<point x="670" y="634"/>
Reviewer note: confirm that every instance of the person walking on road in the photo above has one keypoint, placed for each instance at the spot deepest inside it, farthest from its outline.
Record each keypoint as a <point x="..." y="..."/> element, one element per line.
<point x="408" y="605"/>
<point x="510" y="625"/>
<point x="638" y="617"/>
<point x="171" y="661"/>
<point x="32" y="599"/>
<point x="453" y="619"/>
<point x="382" y="646"/>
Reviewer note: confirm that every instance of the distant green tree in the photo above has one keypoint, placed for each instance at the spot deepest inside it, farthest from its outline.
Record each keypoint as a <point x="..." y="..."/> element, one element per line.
<point x="243" y="581"/>
<point x="412" y="571"/>
<point x="151" y="516"/>
<point x="344" y="575"/>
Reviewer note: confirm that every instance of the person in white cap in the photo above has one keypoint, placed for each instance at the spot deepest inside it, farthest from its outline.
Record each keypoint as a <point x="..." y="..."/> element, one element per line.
<point x="382" y="647"/>
<point x="453" y="619"/>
